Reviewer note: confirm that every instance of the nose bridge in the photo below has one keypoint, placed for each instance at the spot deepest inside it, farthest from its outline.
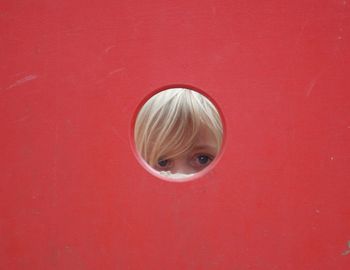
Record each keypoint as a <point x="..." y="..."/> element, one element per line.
<point x="181" y="166"/>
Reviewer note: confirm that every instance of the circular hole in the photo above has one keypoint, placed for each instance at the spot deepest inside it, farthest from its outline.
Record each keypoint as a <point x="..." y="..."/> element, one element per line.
<point x="178" y="134"/>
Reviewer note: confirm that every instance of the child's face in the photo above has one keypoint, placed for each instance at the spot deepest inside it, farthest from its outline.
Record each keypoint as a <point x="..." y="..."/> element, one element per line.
<point x="199" y="157"/>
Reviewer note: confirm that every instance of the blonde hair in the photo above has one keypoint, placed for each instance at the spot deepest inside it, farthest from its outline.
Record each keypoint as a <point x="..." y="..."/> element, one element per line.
<point x="170" y="121"/>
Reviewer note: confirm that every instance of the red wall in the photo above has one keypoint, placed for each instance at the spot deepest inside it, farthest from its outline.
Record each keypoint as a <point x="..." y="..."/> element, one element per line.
<point x="72" y="193"/>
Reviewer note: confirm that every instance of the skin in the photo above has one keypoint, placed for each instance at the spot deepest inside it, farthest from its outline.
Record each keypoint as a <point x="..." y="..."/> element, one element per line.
<point x="198" y="158"/>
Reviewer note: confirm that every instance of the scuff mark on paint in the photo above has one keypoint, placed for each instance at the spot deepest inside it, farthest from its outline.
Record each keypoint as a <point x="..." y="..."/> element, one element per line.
<point x="311" y="87"/>
<point x="110" y="74"/>
<point x="110" y="48"/>
<point x="115" y="71"/>
<point x="313" y="82"/>
<point x="23" y="80"/>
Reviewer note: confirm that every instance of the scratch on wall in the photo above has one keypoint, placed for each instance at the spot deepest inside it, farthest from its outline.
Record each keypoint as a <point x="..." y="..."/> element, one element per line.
<point x="110" y="48"/>
<point x="23" y="80"/>
<point x="110" y="74"/>
<point x="313" y="82"/>
<point x="311" y="86"/>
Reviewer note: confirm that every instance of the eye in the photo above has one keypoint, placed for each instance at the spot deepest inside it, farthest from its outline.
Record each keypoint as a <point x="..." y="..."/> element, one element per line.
<point x="201" y="161"/>
<point x="163" y="164"/>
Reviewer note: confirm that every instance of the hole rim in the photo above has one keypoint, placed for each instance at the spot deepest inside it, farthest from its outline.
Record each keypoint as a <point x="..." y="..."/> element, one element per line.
<point x="197" y="176"/>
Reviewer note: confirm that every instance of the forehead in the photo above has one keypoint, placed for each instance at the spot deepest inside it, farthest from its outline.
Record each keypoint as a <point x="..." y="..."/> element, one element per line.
<point x="205" y="140"/>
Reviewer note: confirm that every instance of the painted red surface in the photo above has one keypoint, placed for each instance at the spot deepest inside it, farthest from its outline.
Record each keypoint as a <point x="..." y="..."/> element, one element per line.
<point x="72" y="193"/>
